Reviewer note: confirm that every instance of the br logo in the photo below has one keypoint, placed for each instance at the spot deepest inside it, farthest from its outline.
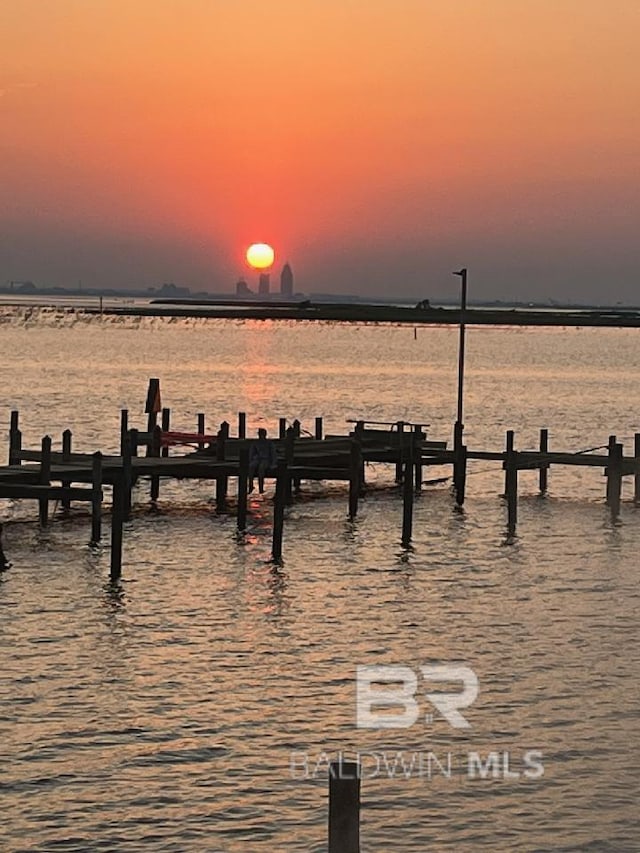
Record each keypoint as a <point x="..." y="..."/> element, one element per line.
<point x="386" y="695"/>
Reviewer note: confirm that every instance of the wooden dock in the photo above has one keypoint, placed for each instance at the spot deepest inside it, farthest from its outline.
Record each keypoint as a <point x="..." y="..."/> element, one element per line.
<point x="67" y="476"/>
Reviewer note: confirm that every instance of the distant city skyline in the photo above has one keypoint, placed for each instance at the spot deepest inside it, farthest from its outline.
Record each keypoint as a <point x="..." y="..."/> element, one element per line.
<point x="145" y="144"/>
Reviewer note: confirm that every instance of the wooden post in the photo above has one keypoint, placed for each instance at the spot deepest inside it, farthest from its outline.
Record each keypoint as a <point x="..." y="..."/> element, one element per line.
<point x="511" y="490"/>
<point x="124" y="428"/>
<point x="400" y="461"/>
<point x="117" y="520"/>
<point x="544" y="466"/>
<point x="242" y="424"/>
<point x="509" y="443"/>
<point x="459" y="463"/>
<point x="66" y="457"/>
<point x="460" y="481"/>
<point x="282" y="428"/>
<point x="282" y="478"/>
<point x="166" y="424"/>
<point x="355" y="464"/>
<point x="296" y="435"/>
<point x="417" y="447"/>
<point x="289" y="452"/>
<point x="359" y="430"/>
<point x="615" y="478"/>
<point x="319" y="429"/>
<point x="154" y="451"/>
<point x="611" y="451"/>
<point x="96" y="498"/>
<point x="636" y="475"/>
<point x="45" y="478"/>
<point x="127" y="473"/>
<point x="243" y="480"/>
<point x="407" y="494"/>
<point x="15" y="439"/>
<point x="201" y="429"/>
<point x="221" y="481"/>
<point x="344" y="807"/>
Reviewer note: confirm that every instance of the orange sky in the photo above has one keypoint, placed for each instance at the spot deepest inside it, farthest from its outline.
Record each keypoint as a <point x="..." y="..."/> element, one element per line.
<point x="377" y="145"/>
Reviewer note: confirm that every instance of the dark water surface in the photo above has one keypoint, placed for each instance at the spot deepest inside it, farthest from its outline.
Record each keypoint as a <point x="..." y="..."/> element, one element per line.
<point x="192" y="706"/>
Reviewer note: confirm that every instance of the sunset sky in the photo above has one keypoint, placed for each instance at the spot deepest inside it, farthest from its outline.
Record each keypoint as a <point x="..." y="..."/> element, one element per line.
<point x="376" y="144"/>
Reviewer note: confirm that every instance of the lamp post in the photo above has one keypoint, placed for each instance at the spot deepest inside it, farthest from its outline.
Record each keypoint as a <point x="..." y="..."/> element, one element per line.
<point x="459" y="425"/>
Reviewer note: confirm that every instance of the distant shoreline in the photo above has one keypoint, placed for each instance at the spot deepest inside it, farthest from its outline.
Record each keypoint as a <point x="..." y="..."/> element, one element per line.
<point x="344" y="312"/>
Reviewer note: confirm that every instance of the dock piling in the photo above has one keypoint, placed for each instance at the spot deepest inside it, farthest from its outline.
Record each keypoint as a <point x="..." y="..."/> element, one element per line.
<point x="344" y="807"/>
<point x="296" y="435"/>
<point x="511" y="483"/>
<point x="155" y="450"/>
<point x="15" y="439"/>
<point x="354" y="478"/>
<point x="282" y="428"/>
<point x="289" y="451"/>
<point x="242" y="424"/>
<point x="318" y="429"/>
<point x="130" y="440"/>
<point x="508" y="448"/>
<point x="166" y="426"/>
<point x="407" y="495"/>
<point x="544" y="466"/>
<point x="401" y="448"/>
<point x="45" y="479"/>
<point x="124" y="428"/>
<point x="66" y="456"/>
<point x="636" y="473"/>
<point x="96" y="498"/>
<point x="243" y="480"/>
<point x="282" y="478"/>
<point x="117" y="520"/>
<point x="200" y="429"/>
<point x="614" y="479"/>
<point x="222" y="480"/>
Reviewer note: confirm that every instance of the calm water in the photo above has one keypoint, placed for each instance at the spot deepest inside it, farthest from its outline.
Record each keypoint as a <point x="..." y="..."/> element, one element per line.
<point x="165" y="714"/>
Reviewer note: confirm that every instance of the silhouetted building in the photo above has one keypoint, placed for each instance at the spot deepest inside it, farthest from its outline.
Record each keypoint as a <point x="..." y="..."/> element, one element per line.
<point x="242" y="288"/>
<point x="263" y="284"/>
<point x="286" y="281"/>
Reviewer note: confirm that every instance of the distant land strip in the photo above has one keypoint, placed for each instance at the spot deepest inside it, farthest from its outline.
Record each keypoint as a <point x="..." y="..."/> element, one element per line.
<point x="358" y="313"/>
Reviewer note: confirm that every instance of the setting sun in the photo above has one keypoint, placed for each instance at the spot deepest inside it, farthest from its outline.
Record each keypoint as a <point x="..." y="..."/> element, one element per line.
<point x="260" y="256"/>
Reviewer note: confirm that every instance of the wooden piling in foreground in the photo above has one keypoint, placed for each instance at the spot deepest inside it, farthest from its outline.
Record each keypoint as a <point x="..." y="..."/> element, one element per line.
<point x="511" y="485"/>
<point x="636" y="473"/>
<point x="45" y="479"/>
<point x="15" y="439"/>
<point x="417" y="462"/>
<point x="166" y="426"/>
<point x="130" y="440"/>
<point x="243" y="481"/>
<point x="508" y="448"/>
<point x="282" y="428"/>
<point x="319" y="429"/>
<point x="222" y="481"/>
<point x="610" y="483"/>
<point x="407" y="500"/>
<point x="124" y="428"/>
<point x="460" y="477"/>
<point x="96" y="498"/>
<point x="66" y="456"/>
<point x="242" y="424"/>
<point x="117" y="520"/>
<point x="544" y="466"/>
<point x="401" y="451"/>
<point x="152" y="407"/>
<point x="344" y="807"/>
<point x="282" y="478"/>
<point x="296" y="435"/>
<point x="154" y="450"/>
<point x="289" y="451"/>
<point x="354" y="478"/>
<point x="201" y="429"/>
<point x="614" y="477"/>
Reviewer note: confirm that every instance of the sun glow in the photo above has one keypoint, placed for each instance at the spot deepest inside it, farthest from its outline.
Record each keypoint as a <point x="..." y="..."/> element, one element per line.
<point x="260" y="256"/>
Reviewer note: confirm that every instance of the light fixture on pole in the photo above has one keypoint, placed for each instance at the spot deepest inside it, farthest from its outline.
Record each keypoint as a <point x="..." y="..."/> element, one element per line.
<point x="459" y="426"/>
